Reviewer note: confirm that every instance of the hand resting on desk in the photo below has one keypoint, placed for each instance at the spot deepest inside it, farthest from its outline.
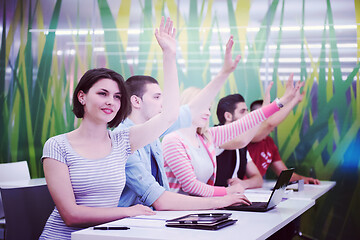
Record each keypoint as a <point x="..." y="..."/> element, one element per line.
<point x="309" y="180"/>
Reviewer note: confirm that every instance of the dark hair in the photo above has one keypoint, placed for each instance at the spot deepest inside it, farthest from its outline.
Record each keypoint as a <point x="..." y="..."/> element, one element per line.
<point x="91" y="77"/>
<point x="227" y="104"/>
<point x="137" y="84"/>
<point x="254" y="104"/>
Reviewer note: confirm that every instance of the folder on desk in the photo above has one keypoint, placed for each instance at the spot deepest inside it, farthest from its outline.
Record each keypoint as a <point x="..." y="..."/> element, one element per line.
<point x="275" y="197"/>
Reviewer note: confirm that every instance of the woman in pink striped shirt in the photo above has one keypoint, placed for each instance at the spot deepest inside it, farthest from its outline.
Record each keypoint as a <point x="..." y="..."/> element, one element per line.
<point x="189" y="154"/>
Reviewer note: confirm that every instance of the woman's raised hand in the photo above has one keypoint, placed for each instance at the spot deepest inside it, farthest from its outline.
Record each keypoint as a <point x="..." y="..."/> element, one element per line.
<point x="165" y="35"/>
<point x="290" y="91"/>
<point x="267" y="100"/>
<point x="298" y="95"/>
<point x="230" y="64"/>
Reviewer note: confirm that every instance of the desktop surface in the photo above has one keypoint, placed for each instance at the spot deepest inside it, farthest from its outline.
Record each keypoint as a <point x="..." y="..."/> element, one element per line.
<point x="310" y="191"/>
<point x="153" y="227"/>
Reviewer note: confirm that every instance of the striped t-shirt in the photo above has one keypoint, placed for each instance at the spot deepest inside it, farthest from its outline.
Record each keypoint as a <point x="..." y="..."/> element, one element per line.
<point x="96" y="183"/>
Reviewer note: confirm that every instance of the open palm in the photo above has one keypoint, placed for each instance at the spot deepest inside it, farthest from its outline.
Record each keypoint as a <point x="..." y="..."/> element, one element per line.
<point x="165" y="35"/>
<point x="230" y="64"/>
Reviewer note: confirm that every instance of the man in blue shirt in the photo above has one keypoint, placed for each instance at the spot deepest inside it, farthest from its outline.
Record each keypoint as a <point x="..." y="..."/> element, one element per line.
<point x="146" y="181"/>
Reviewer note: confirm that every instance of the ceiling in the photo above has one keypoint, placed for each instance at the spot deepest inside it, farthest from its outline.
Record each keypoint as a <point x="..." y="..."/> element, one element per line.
<point x="84" y="14"/>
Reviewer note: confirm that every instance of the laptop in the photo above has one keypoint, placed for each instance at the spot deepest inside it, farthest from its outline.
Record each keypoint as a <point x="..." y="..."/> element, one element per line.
<point x="275" y="197"/>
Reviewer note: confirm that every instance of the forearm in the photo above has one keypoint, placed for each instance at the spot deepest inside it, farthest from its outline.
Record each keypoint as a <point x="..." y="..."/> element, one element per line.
<point x="253" y="182"/>
<point x="241" y="141"/>
<point x="281" y="115"/>
<point x="142" y="134"/>
<point x="174" y="201"/>
<point x="82" y="216"/>
<point x="191" y="185"/>
<point x="61" y="190"/>
<point x="222" y="134"/>
<point x="171" y="99"/>
<point x="186" y="178"/>
<point x="307" y="180"/>
<point x="207" y="94"/>
<point x="263" y="131"/>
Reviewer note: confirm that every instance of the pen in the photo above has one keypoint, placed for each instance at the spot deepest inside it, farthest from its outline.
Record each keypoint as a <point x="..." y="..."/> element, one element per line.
<point x="111" y="228"/>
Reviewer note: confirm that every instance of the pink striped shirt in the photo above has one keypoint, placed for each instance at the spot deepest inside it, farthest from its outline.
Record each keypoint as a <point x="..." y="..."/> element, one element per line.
<point x="179" y="169"/>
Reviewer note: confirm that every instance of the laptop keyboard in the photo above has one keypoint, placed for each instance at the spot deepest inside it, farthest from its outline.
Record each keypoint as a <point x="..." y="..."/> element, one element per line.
<point x="254" y="205"/>
<point x="257" y="205"/>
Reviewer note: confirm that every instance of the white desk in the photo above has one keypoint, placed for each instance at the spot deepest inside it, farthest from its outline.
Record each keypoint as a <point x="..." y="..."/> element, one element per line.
<point x="310" y="191"/>
<point x="250" y="225"/>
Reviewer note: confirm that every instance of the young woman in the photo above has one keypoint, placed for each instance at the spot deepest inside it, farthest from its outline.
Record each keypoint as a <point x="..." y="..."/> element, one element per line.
<point x="189" y="154"/>
<point x="85" y="168"/>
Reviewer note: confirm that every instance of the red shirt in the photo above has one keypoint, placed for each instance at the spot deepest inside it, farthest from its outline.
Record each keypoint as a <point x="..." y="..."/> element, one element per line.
<point x="263" y="153"/>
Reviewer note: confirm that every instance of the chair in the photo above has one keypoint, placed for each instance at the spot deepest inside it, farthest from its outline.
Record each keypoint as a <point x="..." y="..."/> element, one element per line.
<point x="14" y="171"/>
<point x="26" y="211"/>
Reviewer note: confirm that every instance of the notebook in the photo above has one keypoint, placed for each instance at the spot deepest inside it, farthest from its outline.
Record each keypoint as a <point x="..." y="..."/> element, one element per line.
<point x="275" y="197"/>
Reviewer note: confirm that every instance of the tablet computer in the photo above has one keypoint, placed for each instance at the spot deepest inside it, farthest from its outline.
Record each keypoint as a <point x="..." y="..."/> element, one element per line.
<point x="205" y="221"/>
<point x="204" y="226"/>
<point x="198" y="218"/>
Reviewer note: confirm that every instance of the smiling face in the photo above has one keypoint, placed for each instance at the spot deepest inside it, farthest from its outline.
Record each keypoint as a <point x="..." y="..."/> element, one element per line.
<point x="102" y="101"/>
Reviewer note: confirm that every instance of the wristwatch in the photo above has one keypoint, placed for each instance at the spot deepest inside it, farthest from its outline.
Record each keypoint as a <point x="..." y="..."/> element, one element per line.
<point x="278" y="103"/>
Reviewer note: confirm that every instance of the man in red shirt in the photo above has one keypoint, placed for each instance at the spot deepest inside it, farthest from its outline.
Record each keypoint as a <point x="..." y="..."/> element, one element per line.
<point x="264" y="153"/>
<point x="260" y="145"/>
<point x="262" y="148"/>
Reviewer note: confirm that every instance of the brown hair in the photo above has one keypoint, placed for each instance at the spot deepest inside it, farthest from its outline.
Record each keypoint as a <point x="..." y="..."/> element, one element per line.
<point x="91" y="77"/>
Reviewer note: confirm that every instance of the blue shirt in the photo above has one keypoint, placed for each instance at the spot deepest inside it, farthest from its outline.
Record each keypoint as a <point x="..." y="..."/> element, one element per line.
<point x="141" y="187"/>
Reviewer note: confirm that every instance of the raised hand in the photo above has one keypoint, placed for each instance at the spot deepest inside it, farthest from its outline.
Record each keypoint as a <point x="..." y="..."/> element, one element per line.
<point x="299" y="96"/>
<point x="267" y="100"/>
<point x="230" y="64"/>
<point x="290" y="90"/>
<point x="165" y="35"/>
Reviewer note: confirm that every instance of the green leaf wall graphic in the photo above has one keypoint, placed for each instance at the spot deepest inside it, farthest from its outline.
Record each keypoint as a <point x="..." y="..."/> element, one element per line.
<point x="321" y="134"/>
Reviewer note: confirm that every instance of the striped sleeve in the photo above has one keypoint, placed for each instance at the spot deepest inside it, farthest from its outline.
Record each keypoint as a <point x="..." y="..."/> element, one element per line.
<point x="122" y="138"/>
<point x="52" y="149"/>
<point x="224" y="133"/>
<point x="180" y="171"/>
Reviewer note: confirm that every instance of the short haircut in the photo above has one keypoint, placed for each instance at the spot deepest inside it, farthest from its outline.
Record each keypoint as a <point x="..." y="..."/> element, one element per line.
<point x="227" y="104"/>
<point x="256" y="104"/>
<point x="91" y="77"/>
<point x="137" y="84"/>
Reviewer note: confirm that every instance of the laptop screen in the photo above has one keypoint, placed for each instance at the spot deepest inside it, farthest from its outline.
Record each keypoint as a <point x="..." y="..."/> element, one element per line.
<point x="279" y="189"/>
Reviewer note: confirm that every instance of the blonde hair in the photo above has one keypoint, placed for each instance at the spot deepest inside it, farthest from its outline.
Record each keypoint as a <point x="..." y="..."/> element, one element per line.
<point x="186" y="97"/>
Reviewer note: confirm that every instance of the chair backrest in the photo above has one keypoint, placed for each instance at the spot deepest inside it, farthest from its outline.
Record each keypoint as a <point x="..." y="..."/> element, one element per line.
<point x="26" y="211"/>
<point x="14" y="171"/>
